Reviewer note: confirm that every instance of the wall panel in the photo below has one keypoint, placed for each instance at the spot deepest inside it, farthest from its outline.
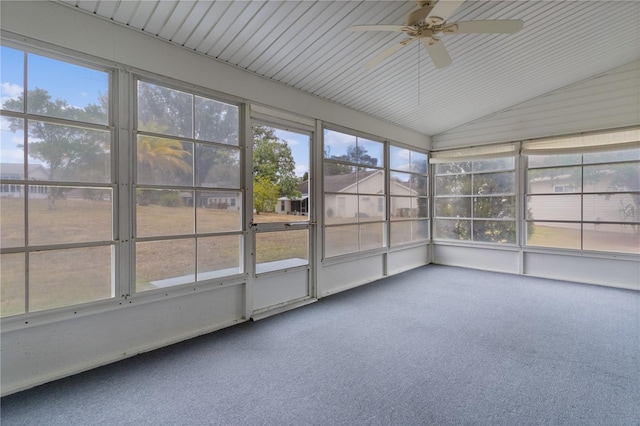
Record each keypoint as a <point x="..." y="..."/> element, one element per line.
<point x="38" y="354"/>
<point x="280" y="287"/>
<point x="408" y="258"/>
<point x="486" y="258"/>
<point x="607" y="101"/>
<point x="337" y="277"/>
<point x="620" y="273"/>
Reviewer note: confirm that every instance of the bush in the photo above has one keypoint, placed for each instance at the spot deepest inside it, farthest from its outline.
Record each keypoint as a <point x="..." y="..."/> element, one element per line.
<point x="170" y="199"/>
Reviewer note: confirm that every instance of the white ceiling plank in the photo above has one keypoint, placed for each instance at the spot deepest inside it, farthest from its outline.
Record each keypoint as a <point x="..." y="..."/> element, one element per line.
<point x="306" y="45"/>
<point x="247" y="16"/>
<point x="346" y="50"/>
<point x="329" y="55"/>
<point x="107" y="7"/>
<point x="266" y="33"/>
<point x="213" y="22"/>
<point x="192" y="21"/>
<point x="323" y="40"/>
<point x="315" y="13"/>
<point x="142" y="14"/>
<point x="176" y="20"/>
<point x="160" y="16"/>
<point x="260" y="22"/>
<point x="88" y="6"/>
<point x="124" y="11"/>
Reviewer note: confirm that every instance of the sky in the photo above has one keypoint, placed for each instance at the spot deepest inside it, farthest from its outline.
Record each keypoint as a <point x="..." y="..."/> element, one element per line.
<point x="79" y="86"/>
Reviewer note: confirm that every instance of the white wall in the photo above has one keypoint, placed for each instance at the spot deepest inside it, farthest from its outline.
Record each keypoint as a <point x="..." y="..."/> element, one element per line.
<point x="615" y="271"/>
<point x="45" y="350"/>
<point x="606" y="101"/>
<point x="48" y="346"/>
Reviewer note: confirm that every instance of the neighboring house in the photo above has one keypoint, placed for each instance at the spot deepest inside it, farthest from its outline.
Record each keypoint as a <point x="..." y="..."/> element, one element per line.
<point x="362" y="194"/>
<point x="608" y="207"/>
<point x="297" y="206"/>
<point x="219" y="200"/>
<point x="15" y="172"/>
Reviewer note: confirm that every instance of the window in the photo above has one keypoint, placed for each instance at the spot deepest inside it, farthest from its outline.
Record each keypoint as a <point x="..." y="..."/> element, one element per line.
<point x="475" y="200"/>
<point x="597" y="208"/>
<point x="187" y="152"/>
<point x="354" y="189"/>
<point x="408" y="186"/>
<point x="58" y="235"/>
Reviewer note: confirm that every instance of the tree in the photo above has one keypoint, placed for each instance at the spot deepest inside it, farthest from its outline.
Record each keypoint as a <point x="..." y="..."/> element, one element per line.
<point x="160" y="160"/>
<point x="359" y="154"/>
<point x="265" y="195"/>
<point x="355" y="154"/>
<point x="167" y="111"/>
<point x="273" y="161"/>
<point x="69" y="153"/>
<point x="481" y="196"/>
<point x="625" y="177"/>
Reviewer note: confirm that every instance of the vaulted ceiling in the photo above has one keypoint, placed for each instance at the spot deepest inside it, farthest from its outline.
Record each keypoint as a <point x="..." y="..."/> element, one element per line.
<point x="307" y="45"/>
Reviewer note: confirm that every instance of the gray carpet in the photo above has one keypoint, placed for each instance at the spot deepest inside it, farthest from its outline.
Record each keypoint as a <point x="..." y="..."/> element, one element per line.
<point x="433" y="346"/>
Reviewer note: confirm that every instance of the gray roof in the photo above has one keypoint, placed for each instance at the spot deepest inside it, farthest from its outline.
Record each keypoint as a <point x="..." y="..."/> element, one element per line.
<point x="338" y="183"/>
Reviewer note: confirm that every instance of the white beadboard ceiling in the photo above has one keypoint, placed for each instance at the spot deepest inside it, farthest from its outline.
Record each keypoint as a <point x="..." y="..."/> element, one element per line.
<point x="306" y="45"/>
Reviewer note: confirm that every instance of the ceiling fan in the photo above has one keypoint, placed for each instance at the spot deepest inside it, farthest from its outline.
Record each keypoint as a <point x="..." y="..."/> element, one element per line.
<point x="430" y="20"/>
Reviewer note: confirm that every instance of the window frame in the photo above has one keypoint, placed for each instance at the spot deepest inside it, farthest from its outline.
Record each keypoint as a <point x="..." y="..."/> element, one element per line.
<point x="412" y="220"/>
<point x="472" y="197"/>
<point x="358" y="195"/>
<point x="224" y="192"/>
<point x="577" y="192"/>
<point x="40" y="187"/>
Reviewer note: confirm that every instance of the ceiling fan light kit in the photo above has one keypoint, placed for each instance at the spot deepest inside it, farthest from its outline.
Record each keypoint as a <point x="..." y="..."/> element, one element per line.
<point x="429" y="20"/>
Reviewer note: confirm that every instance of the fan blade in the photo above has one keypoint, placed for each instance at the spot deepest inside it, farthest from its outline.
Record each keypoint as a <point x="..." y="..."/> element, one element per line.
<point x="438" y="52"/>
<point x="385" y="54"/>
<point x="396" y="28"/>
<point x="444" y="8"/>
<point x="489" y="27"/>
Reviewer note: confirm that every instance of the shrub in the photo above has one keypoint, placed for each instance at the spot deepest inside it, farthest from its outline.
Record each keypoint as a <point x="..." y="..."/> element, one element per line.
<point x="170" y="199"/>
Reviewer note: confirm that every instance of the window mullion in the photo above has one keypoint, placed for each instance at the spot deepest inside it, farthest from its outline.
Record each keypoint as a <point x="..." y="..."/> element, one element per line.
<point x="124" y="119"/>
<point x="582" y="202"/>
<point x="25" y="132"/>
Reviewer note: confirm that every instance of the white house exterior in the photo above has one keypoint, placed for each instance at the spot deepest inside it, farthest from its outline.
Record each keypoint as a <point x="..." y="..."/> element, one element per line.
<point x="15" y="171"/>
<point x="349" y="196"/>
<point x="597" y="202"/>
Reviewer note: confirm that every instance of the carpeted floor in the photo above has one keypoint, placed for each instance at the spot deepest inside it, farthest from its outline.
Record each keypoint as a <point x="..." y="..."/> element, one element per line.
<point x="433" y="346"/>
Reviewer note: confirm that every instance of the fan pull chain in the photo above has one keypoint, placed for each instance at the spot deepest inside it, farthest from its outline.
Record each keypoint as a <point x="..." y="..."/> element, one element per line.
<point x="419" y="76"/>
